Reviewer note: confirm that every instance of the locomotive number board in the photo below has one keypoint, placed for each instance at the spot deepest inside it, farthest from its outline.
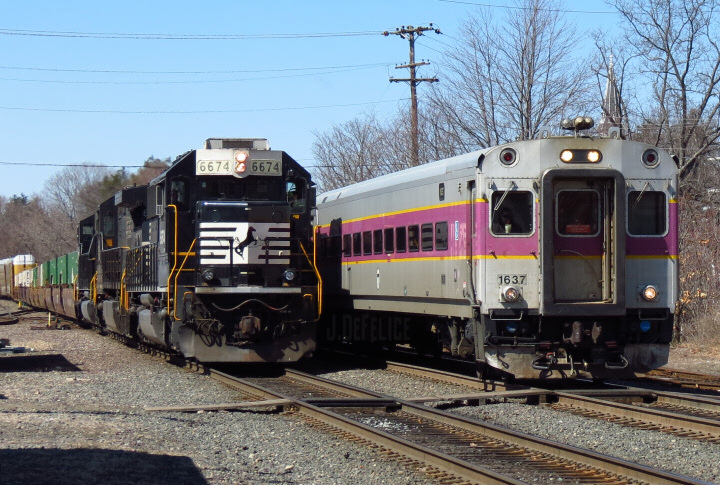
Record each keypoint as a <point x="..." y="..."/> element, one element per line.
<point x="238" y="168"/>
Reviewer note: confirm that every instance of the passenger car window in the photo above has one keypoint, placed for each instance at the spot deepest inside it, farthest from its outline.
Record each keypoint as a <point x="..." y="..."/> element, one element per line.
<point x="377" y="241"/>
<point x="413" y="238"/>
<point x="647" y="213"/>
<point x="357" y="244"/>
<point x="367" y="242"/>
<point x="427" y="237"/>
<point x="578" y="212"/>
<point x="441" y="236"/>
<point x="512" y="212"/>
<point x="401" y="239"/>
<point x="347" y="244"/>
<point x="389" y="240"/>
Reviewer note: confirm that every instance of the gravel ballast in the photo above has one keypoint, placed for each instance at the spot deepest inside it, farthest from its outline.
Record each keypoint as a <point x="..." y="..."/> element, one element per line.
<point x="72" y="411"/>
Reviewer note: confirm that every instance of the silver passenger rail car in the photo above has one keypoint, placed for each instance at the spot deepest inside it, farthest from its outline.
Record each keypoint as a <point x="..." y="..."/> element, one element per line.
<point x="548" y="258"/>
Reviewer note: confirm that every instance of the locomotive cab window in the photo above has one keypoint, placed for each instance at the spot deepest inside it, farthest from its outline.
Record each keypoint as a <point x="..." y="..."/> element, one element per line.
<point x="578" y="212"/>
<point x="512" y="213"/>
<point x="647" y="213"/>
<point x="178" y="194"/>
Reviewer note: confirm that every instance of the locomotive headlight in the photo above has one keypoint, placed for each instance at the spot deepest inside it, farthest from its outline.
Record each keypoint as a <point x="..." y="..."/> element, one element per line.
<point x="511" y="294"/>
<point x="650" y="293"/>
<point x="208" y="275"/>
<point x="289" y="275"/>
<point x="593" y="156"/>
<point x="580" y="156"/>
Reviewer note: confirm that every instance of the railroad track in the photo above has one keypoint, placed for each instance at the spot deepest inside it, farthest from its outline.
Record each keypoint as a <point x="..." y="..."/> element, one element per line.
<point x="689" y="416"/>
<point x="685" y="379"/>
<point x="454" y="449"/>
<point x="448" y="447"/>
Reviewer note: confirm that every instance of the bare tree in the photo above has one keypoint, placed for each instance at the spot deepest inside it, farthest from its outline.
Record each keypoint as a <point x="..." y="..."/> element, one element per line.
<point x="676" y="42"/>
<point x="504" y="80"/>
<point x="351" y="152"/>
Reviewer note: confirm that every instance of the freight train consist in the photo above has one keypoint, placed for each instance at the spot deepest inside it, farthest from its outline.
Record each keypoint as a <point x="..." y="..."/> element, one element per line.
<point x="547" y="258"/>
<point x="213" y="259"/>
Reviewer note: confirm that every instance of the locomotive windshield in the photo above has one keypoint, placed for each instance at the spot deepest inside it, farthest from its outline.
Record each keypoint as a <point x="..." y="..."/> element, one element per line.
<point x="251" y="188"/>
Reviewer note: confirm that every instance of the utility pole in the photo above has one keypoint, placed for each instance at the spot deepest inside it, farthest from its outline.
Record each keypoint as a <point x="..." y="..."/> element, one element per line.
<point x="411" y="33"/>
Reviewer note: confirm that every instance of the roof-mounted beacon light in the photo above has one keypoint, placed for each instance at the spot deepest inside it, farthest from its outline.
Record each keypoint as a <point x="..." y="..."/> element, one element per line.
<point x="578" y="123"/>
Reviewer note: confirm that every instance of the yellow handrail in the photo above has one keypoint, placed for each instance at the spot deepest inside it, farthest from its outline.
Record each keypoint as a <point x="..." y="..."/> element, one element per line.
<point x="178" y="274"/>
<point x="317" y="273"/>
<point x="93" y="288"/>
<point x="124" y="299"/>
<point x="174" y="254"/>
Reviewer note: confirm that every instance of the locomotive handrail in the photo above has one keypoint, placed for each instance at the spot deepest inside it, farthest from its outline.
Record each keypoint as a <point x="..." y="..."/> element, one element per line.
<point x="93" y="287"/>
<point x="317" y="273"/>
<point x="177" y="275"/>
<point x="174" y="255"/>
<point x="76" y="292"/>
<point x="123" y="292"/>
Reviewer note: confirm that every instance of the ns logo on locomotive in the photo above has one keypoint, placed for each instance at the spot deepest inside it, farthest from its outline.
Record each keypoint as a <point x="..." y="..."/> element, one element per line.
<point x="211" y="259"/>
<point x="547" y="258"/>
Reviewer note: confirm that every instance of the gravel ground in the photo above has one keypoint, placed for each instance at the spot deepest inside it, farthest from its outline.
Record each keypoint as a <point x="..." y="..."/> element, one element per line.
<point x="693" y="458"/>
<point x="71" y="412"/>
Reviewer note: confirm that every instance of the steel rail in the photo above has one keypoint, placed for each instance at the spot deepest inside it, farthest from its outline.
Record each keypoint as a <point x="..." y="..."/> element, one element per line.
<point x="645" y="414"/>
<point x="568" y="452"/>
<point x="459" y="468"/>
<point x="690" y="401"/>
<point x="442" y="461"/>
<point x="448" y="377"/>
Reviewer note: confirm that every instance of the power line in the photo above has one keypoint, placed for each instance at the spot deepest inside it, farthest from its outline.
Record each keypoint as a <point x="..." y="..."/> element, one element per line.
<point x="410" y="34"/>
<point x="156" y="36"/>
<point x="510" y="7"/>
<point x="53" y="110"/>
<point x="194" y="81"/>
<point x="242" y="71"/>
<point x="84" y="165"/>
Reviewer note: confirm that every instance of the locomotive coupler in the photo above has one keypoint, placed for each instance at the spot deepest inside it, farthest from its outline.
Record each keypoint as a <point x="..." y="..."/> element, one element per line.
<point x="248" y="326"/>
<point x="620" y="363"/>
<point x="544" y="362"/>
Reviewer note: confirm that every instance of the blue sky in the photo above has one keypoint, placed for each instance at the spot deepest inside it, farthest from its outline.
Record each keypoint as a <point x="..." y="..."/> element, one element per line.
<point x="76" y="86"/>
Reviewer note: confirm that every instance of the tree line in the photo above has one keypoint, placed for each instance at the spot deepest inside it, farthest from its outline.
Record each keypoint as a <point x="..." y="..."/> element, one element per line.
<point x="506" y="76"/>
<point x="45" y="224"/>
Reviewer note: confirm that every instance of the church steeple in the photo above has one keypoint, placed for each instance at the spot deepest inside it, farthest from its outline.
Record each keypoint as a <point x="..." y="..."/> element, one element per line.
<point x="611" y="106"/>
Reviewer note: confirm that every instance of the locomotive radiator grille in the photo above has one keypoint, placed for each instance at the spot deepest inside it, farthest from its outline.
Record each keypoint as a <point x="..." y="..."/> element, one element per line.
<point x="244" y="243"/>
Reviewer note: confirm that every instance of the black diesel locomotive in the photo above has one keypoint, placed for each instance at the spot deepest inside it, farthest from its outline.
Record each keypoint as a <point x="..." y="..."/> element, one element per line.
<point x="213" y="258"/>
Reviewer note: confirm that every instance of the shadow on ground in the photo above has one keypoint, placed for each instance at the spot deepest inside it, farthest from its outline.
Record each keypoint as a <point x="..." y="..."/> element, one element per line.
<point x="36" y="363"/>
<point x="95" y="466"/>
